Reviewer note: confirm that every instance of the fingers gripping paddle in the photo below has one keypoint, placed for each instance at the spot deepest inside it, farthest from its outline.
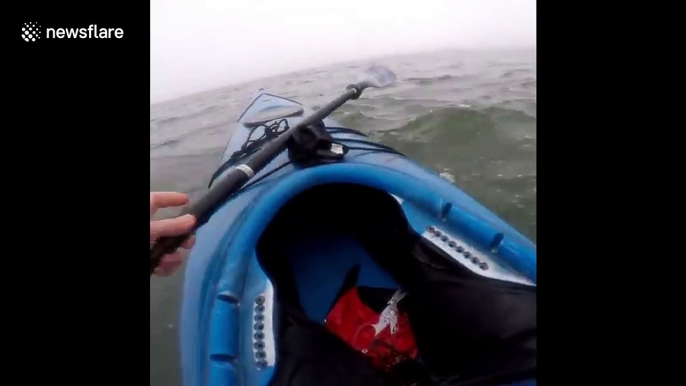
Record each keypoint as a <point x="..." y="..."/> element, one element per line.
<point x="202" y="209"/>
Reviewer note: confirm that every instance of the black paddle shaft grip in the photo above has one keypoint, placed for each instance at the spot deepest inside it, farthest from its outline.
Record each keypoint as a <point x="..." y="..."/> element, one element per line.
<point x="201" y="210"/>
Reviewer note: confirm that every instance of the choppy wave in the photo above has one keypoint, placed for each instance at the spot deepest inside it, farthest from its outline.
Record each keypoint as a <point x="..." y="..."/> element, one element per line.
<point x="515" y="72"/>
<point x="461" y="124"/>
<point x="171" y="141"/>
<point x="204" y="111"/>
<point x="168" y="142"/>
<point x="470" y="117"/>
<point x="431" y="80"/>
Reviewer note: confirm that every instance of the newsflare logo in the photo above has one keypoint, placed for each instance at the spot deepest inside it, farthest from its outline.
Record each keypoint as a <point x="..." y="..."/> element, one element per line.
<point x="31" y="32"/>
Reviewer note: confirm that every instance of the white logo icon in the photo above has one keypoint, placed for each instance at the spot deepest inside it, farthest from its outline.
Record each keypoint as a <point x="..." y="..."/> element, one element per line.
<point x="30" y="32"/>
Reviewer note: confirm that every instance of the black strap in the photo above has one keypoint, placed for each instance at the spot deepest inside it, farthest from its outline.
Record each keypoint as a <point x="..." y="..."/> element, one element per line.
<point x="250" y="146"/>
<point x="277" y="128"/>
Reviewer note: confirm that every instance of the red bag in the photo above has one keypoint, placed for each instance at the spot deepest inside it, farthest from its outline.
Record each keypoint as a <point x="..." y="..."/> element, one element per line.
<point x="373" y="322"/>
<point x="386" y="343"/>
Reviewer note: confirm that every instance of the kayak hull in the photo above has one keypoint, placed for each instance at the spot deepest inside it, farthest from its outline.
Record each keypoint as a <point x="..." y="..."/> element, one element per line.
<point x="225" y="287"/>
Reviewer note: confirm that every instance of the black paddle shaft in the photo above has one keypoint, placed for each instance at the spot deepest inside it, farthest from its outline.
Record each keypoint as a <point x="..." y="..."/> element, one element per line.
<point x="238" y="176"/>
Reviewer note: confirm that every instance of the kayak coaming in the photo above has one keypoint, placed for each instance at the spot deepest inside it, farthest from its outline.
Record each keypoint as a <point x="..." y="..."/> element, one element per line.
<point x="223" y="278"/>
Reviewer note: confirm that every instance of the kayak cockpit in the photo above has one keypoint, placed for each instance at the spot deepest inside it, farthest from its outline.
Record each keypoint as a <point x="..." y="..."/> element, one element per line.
<point x="322" y="234"/>
<point x="466" y="325"/>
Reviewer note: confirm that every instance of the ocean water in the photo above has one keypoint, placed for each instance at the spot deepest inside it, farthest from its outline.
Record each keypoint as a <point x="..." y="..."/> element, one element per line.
<point x="468" y="115"/>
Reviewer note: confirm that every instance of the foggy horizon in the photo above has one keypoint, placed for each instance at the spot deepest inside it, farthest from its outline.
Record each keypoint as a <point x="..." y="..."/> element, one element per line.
<point x="201" y="46"/>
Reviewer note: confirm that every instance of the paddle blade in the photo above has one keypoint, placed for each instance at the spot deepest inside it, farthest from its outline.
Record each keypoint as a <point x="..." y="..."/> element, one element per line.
<point x="377" y="76"/>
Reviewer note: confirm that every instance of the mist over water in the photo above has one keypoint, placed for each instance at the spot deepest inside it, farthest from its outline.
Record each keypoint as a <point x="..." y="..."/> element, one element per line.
<point x="469" y="115"/>
<point x="200" y="45"/>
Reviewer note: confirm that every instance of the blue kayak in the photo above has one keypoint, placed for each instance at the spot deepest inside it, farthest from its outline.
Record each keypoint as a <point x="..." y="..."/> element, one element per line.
<point x="287" y="241"/>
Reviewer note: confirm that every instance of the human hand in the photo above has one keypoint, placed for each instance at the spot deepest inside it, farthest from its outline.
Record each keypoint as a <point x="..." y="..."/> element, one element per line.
<point x="170" y="227"/>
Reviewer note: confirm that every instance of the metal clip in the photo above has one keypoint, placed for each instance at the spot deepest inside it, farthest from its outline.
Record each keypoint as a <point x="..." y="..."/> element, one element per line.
<point x="389" y="316"/>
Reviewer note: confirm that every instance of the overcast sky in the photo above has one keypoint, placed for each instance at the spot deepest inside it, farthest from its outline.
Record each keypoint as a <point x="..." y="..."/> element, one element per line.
<point x="199" y="45"/>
